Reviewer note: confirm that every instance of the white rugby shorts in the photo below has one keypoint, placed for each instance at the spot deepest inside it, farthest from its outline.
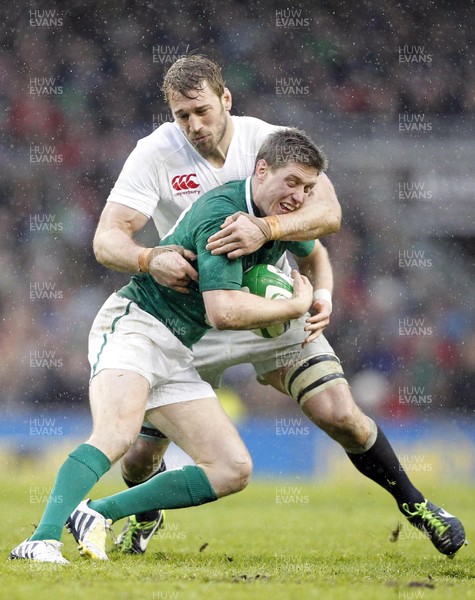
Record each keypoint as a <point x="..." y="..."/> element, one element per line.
<point x="218" y="350"/>
<point x="123" y="336"/>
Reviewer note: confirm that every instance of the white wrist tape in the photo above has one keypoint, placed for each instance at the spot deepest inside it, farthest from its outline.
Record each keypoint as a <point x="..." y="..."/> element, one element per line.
<point x="323" y="294"/>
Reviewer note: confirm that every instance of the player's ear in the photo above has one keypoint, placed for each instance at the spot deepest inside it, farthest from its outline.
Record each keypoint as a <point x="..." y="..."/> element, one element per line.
<point x="261" y="169"/>
<point x="227" y="99"/>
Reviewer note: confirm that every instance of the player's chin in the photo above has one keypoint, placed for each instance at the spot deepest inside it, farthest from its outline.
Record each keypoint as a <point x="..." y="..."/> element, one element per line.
<point x="204" y="144"/>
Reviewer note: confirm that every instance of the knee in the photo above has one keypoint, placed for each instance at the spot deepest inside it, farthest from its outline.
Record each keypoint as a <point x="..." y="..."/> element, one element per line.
<point x="335" y="411"/>
<point x="137" y="461"/>
<point x="241" y="472"/>
<point x="143" y="459"/>
<point x="114" y="449"/>
<point x="340" y="418"/>
<point x="231" y="475"/>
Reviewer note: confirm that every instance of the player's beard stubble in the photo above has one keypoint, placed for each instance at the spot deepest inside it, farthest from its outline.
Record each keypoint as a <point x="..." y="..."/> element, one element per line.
<point x="209" y="147"/>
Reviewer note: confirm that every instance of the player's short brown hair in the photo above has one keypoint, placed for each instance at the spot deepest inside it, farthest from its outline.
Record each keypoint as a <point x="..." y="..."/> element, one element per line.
<point x="188" y="74"/>
<point x="291" y="145"/>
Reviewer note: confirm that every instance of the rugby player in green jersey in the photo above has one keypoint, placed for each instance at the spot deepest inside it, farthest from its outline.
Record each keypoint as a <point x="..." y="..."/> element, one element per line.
<point x="141" y="339"/>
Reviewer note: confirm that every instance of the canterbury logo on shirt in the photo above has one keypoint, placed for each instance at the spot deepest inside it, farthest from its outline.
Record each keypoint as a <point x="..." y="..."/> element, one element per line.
<point x="185" y="182"/>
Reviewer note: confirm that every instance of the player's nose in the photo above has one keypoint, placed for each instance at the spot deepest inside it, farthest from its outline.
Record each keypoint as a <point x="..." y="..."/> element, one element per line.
<point x="298" y="195"/>
<point x="194" y="123"/>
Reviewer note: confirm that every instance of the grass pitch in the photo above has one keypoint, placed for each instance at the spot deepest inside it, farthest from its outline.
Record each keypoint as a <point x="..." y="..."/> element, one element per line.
<point x="276" y="540"/>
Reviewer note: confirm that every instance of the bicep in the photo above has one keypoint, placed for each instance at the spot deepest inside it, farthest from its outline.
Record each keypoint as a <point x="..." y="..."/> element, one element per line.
<point x="317" y="266"/>
<point x="310" y="261"/>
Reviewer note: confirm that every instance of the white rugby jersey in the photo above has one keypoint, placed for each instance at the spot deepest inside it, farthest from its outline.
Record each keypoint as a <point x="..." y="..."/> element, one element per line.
<point x="164" y="174"/>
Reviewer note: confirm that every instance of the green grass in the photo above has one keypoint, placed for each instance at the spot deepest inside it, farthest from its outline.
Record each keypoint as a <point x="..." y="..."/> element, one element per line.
<point x="331" y="540"/>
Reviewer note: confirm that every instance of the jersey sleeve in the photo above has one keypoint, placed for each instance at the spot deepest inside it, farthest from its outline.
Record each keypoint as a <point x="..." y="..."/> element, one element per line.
<point x="137" y="184"/>
<point x="301" y="248"/>
<point x="216" y="272"/>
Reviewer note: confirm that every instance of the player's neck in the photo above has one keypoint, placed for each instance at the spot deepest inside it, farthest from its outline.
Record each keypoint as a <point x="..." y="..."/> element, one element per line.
<point x="218" y="157"/>
<point x="258" y="211"/>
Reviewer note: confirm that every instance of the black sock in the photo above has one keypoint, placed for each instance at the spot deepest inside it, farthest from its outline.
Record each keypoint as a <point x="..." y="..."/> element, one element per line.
<point x="381" y="464"/>
<point x="150" y="515"/>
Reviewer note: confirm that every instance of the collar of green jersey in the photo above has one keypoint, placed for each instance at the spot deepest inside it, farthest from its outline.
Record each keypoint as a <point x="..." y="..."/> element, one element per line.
<point x="252" y="209"/>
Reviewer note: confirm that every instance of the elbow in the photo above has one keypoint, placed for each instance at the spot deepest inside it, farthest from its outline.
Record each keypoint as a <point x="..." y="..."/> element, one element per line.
<point x="221" y="317"/>
<point x="98" y="250"/>
<point x="222" y="309"/>
<point x="219" y="322"/>
<point x="335" y="221"/>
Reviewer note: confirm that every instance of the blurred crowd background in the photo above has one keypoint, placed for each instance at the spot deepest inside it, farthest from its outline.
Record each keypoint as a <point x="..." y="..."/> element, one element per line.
<point x="80" y="84"/>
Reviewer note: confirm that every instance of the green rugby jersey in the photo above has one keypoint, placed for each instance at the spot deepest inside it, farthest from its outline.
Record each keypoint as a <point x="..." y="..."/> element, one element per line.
<point x="184" y="314"/>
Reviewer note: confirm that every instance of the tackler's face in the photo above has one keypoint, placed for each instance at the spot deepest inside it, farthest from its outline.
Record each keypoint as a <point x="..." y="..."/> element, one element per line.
<point x="203" y="117"/>
<point x="284" y="189"/>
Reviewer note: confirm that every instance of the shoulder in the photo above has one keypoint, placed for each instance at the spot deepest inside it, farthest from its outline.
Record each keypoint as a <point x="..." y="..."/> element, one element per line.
<point x="233" y="191"/>
<point x="225" y="199"/>
<point x="163" y="142"/>
<point x="254" y="125"/>
<point x="253" y="131"/>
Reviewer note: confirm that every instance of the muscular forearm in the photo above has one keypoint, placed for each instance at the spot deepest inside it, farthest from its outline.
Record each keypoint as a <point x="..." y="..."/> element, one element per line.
<point x="319" y="216"/>
<point x="239" y="310"/>
<point x="117" y="250"/>
<point x="113" y="244"/>
<point x="317" y="268"/>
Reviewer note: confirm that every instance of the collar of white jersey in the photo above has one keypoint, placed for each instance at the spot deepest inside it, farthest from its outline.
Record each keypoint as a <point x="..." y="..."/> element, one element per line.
<point x="250" y="208"/>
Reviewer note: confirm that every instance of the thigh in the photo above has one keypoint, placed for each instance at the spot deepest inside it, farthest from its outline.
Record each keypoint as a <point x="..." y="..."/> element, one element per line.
<point x="118" y="399"/>
<point x="335" y="411"/>
<point x="334" y="404"/>
<point x="124" y="337"/>
<point x="308" y="373"/>
<point x="202" y="429"/>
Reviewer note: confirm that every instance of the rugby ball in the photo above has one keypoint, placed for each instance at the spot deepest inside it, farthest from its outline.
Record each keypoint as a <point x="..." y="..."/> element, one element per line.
<point x="268" y="282"/>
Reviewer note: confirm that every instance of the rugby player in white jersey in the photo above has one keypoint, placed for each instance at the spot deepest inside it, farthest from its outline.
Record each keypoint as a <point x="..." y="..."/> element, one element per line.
<point x="168" y="170"/>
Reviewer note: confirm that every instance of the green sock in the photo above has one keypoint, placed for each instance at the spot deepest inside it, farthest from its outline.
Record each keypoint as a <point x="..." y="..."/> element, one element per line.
<point x="79" y="472"/>
<point x="179" y="488"/>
